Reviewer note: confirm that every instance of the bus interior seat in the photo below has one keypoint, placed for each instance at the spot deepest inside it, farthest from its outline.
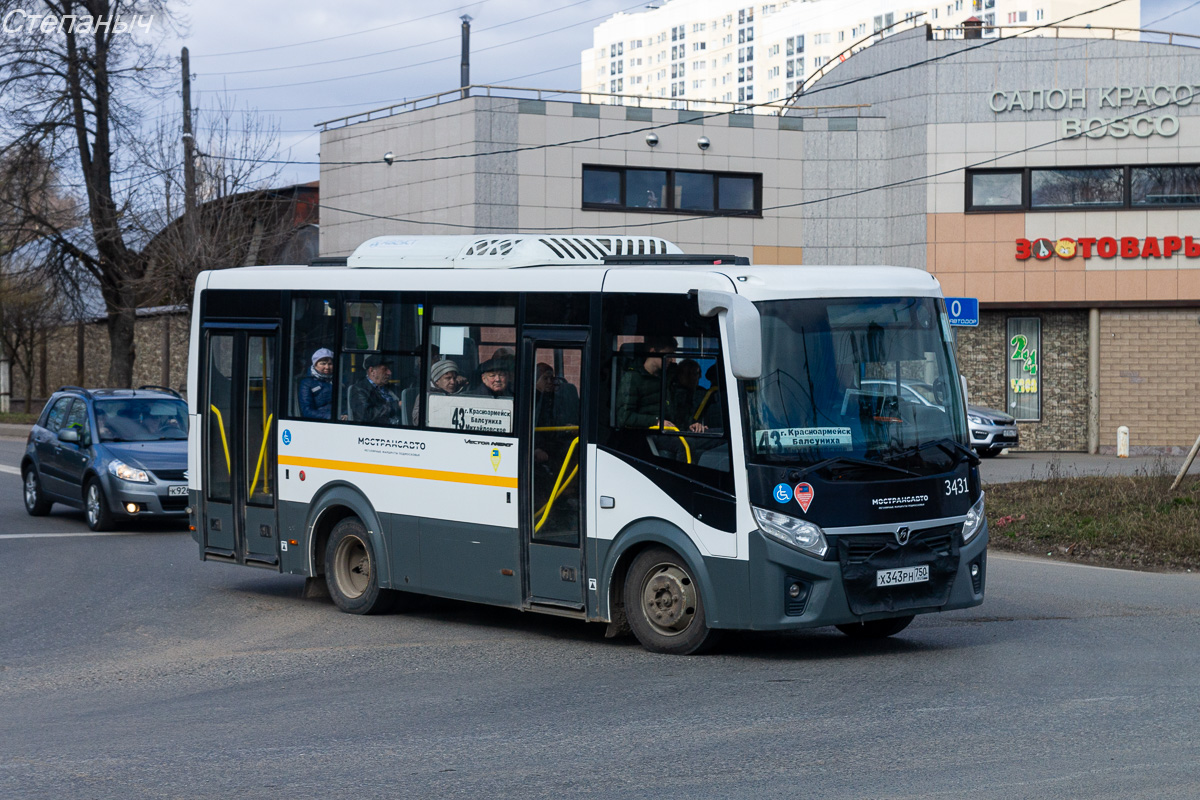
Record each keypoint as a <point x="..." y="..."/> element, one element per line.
<point x="408" y="398"/>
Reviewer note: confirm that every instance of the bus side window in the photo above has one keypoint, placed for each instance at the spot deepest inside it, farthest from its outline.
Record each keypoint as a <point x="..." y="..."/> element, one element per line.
<point x="313" y="333"/>
<point x="663" y="385"/>
<point x="480" y="341"/>
<point x="379" y="368"/>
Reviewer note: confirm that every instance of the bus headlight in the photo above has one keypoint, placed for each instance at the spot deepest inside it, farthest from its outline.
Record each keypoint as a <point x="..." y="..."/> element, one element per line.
<point x="127" y="473"/>
<point x="974" y="522"/>
<point x="791" y="531"/>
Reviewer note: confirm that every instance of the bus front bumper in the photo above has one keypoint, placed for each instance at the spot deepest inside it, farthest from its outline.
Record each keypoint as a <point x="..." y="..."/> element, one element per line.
<point x="791" y="590"/>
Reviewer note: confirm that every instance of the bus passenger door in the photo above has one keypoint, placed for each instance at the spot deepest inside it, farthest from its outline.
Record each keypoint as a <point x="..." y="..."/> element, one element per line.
<point x="552" y="478"/>
<point x="239" y="446"/>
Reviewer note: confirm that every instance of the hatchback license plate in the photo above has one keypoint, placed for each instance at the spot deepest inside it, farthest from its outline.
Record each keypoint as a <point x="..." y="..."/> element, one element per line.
<point x="901" y="576"/>
<point x="177" y="491"/>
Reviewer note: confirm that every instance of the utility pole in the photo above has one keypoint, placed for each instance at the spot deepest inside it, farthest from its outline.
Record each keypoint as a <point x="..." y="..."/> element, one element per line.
<point x="189" y="152"/>
<point x="465" y="74"/>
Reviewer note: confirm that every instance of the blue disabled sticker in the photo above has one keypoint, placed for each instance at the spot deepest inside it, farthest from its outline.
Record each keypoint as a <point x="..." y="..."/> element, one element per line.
<point x="783" y="493"/>
<point x="287" y="437"/>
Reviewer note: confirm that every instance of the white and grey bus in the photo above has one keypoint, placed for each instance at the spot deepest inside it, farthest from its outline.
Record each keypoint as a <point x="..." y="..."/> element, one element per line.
<point x="599" y="427"/>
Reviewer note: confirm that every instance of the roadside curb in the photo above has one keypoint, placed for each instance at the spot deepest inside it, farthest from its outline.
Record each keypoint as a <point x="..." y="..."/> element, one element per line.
<point x="9" y="430"/>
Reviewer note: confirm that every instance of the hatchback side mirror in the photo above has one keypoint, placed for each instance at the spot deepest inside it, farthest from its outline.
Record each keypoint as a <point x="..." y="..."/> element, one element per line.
<point x="69" y="435"/>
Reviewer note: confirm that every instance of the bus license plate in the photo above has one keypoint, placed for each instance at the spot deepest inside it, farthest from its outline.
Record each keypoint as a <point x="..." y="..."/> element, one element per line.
<point x="177" y="491"/>
<point x="899" y="577"/>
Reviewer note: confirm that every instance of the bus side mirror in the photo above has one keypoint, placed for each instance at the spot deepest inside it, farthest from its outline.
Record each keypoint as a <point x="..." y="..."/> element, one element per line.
<point x="744" y="328"/>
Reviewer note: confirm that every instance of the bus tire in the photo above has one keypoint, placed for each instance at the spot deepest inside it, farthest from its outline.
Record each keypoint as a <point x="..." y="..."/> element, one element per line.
<point x="663" y="605"/>
<point x="876" y="628"/>
<point x="352" y="570"/>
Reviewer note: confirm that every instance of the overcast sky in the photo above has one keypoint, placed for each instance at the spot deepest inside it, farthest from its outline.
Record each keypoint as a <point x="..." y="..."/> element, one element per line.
<point x="411" y="48"/>
<point x="386" y="51"/>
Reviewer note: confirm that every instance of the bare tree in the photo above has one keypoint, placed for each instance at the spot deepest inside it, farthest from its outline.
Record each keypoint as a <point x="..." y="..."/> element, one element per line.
<point x="76" y="81"/>
<point x="234" y="170"/>
<point x="29" y="311"/>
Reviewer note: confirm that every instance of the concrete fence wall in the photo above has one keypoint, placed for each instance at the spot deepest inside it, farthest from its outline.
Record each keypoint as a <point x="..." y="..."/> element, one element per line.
<point x="161" y="357"/>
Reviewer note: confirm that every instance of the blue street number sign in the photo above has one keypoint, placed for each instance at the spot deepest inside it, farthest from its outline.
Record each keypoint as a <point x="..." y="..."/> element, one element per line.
<point x="963" y="310"/>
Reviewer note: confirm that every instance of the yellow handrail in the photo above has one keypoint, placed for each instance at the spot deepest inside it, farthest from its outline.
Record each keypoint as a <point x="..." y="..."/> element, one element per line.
<point x="224" y="441"/>
<point x="704" y="402"/>
<point x="686" y="450"/>
<point x="262" y="361"/>
<point x="559" y="486"/>
<point x="262" y="454"/>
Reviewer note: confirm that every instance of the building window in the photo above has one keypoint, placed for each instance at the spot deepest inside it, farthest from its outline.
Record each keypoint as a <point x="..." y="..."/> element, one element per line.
<point x="1046" y="189"/>
<point x="1075" y="188"/>
<point x="1165" y="186"/>
<point x="1024" y="368"/>
<point x="672" y="191"/>
<point x="995" y="190"/>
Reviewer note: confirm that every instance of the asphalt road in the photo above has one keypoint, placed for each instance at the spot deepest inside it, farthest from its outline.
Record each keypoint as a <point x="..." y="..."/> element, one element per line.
<point x="130" y="669"/>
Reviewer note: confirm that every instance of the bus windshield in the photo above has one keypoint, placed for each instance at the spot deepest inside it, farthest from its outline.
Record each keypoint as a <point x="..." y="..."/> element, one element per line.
<point x="868" y="379"/>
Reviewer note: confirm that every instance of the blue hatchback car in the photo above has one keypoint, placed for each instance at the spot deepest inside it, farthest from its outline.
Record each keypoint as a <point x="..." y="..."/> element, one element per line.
<point x="115" y="453"/>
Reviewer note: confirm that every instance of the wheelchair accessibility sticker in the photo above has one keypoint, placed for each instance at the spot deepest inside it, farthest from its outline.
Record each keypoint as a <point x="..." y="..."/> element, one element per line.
<point x="287" y="436"/>
<point x="783" y="493"/>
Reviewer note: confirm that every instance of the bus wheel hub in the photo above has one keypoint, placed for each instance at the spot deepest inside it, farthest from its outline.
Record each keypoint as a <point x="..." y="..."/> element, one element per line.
<point x="669" y="599"/>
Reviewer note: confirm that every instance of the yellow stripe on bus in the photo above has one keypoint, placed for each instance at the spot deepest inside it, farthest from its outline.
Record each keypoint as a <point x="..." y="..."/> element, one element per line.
<point x="400" y="472"/>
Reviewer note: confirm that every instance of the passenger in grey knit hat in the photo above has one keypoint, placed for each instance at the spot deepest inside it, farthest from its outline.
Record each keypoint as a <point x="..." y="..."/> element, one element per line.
<point x="444" y="378"/>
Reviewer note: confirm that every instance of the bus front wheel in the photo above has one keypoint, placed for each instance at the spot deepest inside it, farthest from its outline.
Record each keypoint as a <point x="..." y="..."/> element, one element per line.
<point x="352" y="570"/>
<point x="663" y="604"/>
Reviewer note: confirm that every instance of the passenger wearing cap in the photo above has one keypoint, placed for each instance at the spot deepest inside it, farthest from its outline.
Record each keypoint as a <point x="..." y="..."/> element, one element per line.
<point x="315" y="393"/>
<point x="444" y="378"/>
<point x="495" y="377"/>
<point x="371" y="400"/>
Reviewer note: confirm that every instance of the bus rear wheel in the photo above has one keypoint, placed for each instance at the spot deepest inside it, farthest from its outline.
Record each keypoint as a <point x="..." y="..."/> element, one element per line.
<point x="352" y="570"/>
<point x="663" y="605"/>
<point x="876" y="628"/>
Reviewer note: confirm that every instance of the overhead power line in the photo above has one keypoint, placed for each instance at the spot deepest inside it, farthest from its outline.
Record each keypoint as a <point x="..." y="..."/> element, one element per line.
<point x="432" y="60"/>
<point x="802" y="203"/>
<point x="1173" y="13"/>
<point x="374" y="29"/>
<point x="702" y="117"/>
<point x="455" y="38"/>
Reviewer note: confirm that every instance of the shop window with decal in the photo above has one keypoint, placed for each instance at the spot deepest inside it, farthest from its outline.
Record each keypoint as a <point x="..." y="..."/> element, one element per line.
<point x="1023" y="349"/>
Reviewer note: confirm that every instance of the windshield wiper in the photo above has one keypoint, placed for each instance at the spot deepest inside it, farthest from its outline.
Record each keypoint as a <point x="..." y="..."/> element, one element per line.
<point x="951" y="447"/>
<point x="850" y="462"/>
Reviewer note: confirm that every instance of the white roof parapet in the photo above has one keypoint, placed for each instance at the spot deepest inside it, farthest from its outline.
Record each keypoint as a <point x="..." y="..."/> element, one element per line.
<point x="502" y="251"/>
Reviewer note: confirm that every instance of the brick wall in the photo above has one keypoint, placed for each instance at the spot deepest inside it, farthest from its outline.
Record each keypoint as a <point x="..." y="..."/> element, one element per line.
<point x="62" y="348"/>
<point x="983" y="354"/>
<point x="1150" y="378"/>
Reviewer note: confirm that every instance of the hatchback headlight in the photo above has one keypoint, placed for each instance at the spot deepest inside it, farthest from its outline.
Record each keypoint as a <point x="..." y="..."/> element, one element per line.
<point x="125" y="472"/>
<point x="974" y="520"/>
<point x="791" y="531"/>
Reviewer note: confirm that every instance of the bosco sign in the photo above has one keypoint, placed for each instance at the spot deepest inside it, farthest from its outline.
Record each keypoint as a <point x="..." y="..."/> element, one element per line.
<point x="1107" y="111"/>
<point x="1108" y="247"/>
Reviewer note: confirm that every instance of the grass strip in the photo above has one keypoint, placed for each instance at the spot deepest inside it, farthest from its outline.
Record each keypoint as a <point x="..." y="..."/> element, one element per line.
<point x="1131" y="522"/>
